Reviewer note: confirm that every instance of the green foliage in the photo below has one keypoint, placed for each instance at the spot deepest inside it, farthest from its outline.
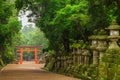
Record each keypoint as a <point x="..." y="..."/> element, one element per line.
<point x="112" y="56"/>
<point x="9" y="28"/>
<point x="8" y="57"/>
<point x="51" y="64"/>
<point x="56" y="28"/>
<point x="77" y="45"/>
<point x="5" y="12"/>
<point x="74" y="18"/>
<point x="63" y="20"/>
<point x="51" y="53"/>
<point x="1" y="63"/>
<point x="111" y="62"/>
<point x="80" y="44"/>
<point x="67" y="21"/>
<point x="102" y="12"/>
<point x="33" y="36"/>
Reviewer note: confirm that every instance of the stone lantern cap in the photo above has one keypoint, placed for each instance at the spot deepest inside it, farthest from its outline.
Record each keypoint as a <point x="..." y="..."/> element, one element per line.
<point x="114" y="26"/>
<point x="93" y="37"/>
<point x="113" y="37"/>
<point x="100" y="36"/>
<point x="114" y="30"/>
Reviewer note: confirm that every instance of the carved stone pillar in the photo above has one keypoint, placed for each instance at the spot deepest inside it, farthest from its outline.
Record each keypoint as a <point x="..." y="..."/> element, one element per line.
<point x="74" y="56"/>
<point x="86" y="57"/>
<point x="101" y="48"/>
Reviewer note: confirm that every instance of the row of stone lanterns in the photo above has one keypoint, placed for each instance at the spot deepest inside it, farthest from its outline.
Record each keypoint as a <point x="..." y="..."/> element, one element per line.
<point x="81" y="56"/>
<point x="99" y="42"/>
<point x="99" y="46"/>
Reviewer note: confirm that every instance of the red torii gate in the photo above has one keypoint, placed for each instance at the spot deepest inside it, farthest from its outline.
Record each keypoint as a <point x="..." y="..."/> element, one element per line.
<point x="23" y="49"/>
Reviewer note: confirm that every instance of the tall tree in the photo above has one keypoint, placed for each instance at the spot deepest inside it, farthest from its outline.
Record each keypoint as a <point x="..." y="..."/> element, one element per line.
<point x="9" y="27"/>
<point x="63" y="20"/>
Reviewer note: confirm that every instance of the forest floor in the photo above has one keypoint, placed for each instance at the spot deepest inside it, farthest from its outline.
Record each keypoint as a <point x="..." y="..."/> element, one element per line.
<point x="29" y="71"/>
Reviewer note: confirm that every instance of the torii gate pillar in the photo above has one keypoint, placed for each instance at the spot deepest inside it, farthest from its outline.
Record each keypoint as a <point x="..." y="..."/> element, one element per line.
<point x="21" y="55"/>
<point x="36" y="58"/>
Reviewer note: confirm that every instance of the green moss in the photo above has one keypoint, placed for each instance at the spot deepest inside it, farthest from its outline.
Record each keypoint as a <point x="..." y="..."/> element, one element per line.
<point x="110" y="66"/>
<point x="102" y="32"/>
<point x="1" y="67"/>
<point x="1" y="62"/>
<point x="51" y="64"/>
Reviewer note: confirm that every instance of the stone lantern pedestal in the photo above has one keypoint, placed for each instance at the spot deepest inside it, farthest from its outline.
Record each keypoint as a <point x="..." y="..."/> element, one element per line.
<point x="86" y="55"/>
<point x="74" y="56"/>
<point x="79" y="56"/>
<point x="82" y="57"/>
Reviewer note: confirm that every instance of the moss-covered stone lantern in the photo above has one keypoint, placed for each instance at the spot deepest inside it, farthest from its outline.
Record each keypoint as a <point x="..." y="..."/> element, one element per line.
<point x="114" y="35"/>
<point x="102" y="43"/>
<point x="109" y="67"/>
<point x="86" y="55"/>
<point x="93" y="47"/>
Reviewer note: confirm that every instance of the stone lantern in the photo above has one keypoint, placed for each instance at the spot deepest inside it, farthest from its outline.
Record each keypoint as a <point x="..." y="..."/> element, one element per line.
<point x="86" y="55"/>
<point x="112" y="56"/>
<point x="80" y="56"/>
<point x="93" y="47"/>
<point x="114" y="35"/>
<point x="74" y="56"/>
<point x="102" y="43"/>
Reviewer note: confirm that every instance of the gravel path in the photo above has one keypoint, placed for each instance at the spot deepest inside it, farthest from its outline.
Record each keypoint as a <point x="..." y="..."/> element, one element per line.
<point x="29" y="71"/>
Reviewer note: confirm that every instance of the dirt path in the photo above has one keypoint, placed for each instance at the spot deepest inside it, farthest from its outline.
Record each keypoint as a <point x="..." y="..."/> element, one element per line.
<point x="29" y="71"/>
